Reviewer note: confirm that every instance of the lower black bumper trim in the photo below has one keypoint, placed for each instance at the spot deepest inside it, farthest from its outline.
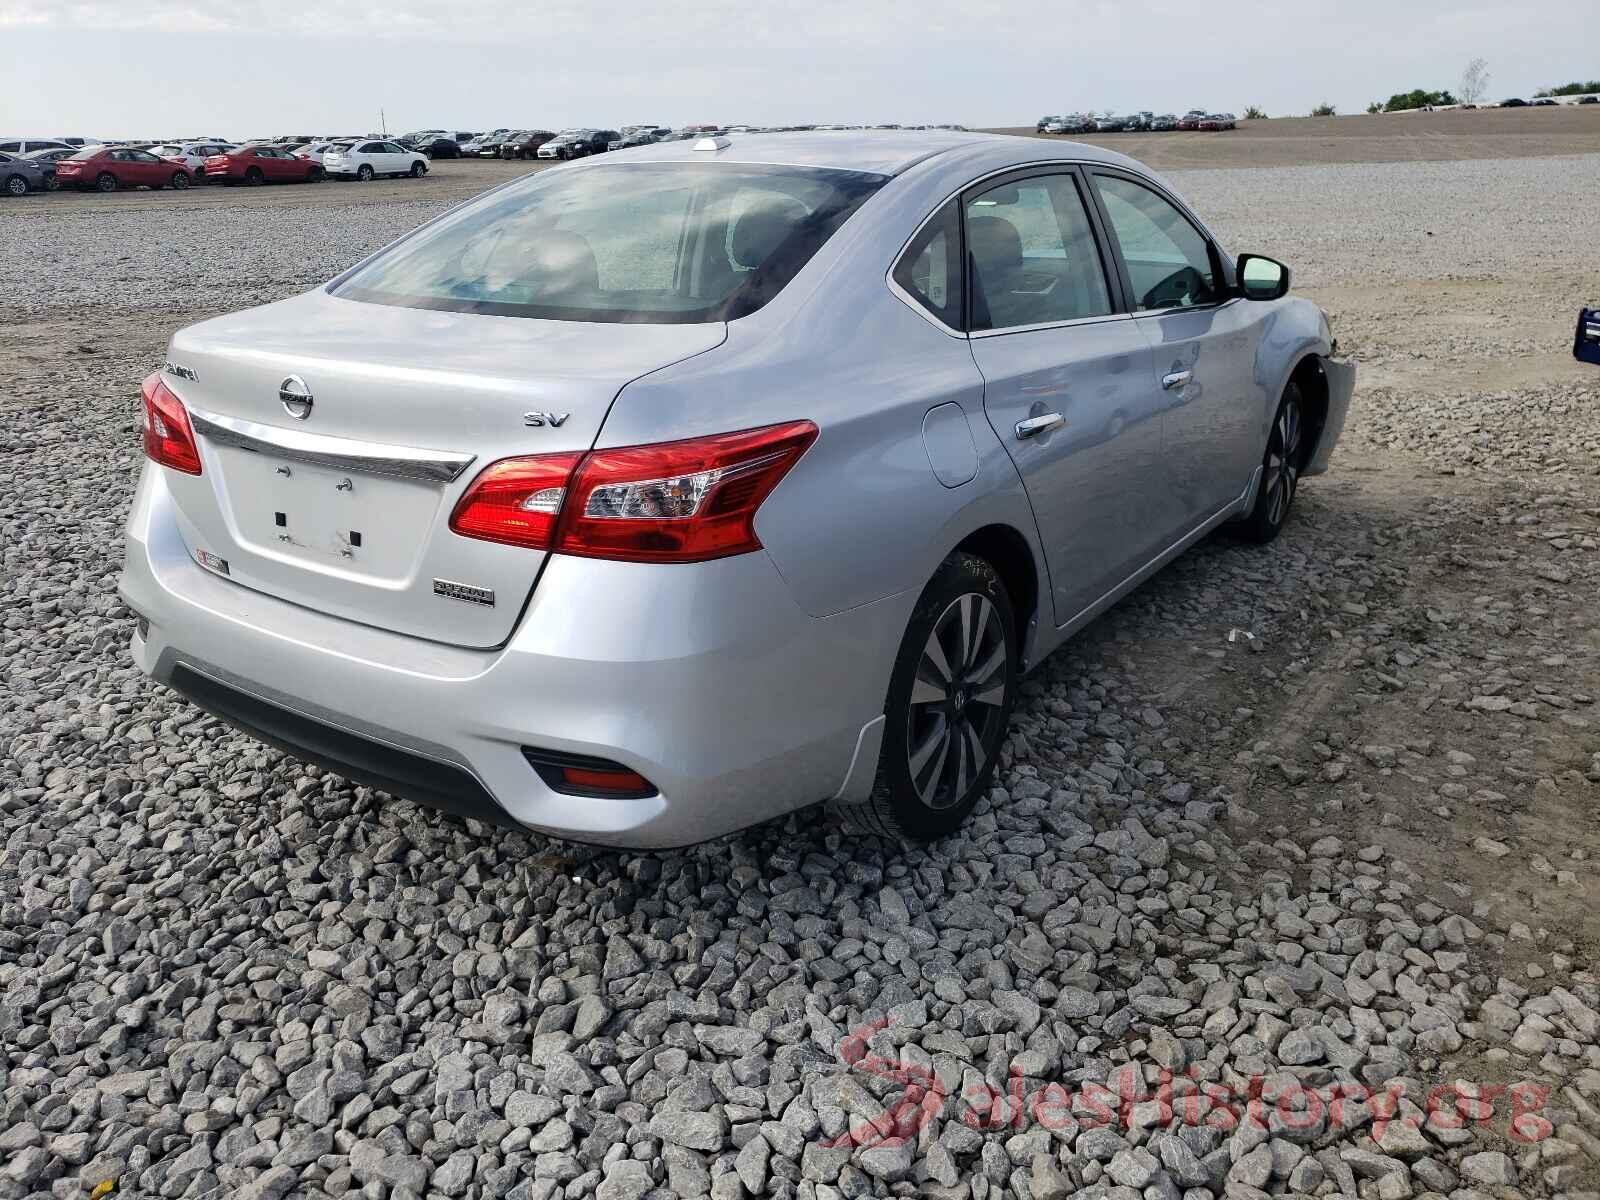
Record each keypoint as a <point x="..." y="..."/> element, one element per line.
<point x="359" y="759"/>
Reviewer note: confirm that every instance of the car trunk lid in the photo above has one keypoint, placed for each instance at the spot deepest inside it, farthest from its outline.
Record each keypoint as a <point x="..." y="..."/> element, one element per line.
<point x="346" y="509"/>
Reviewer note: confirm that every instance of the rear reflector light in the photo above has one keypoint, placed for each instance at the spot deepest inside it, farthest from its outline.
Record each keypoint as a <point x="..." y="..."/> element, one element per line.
<point x="168" y="439"/>
<point x="686" y="501"/>
<point x="580" y="775"/>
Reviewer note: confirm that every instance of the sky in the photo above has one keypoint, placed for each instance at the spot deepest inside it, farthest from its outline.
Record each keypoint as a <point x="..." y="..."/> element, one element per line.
<point x="246" y="68"/>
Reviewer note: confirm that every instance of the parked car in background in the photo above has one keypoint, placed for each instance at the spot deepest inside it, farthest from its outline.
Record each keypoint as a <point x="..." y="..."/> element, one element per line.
<point x="524" y="143"/>
<point x="1513" y="102"/>
<point x="816" y="630"/>
<point x="1589" y="99"/>
<point x="316" y="150"/>
<point x="21" y="146"/>
<point x="1112" y="124"/>
<point x="439" y="147"/>
<point x="194" y="154"/>
<point x="47" y="160"/>
<point x="1546" y="102"/>
<point x="1043" y="123"/>
<point x="20" y="175"/>
<point x="484" y="143"/>
<point x="255" y="165"/>
<point x="580" y="144"/>
<point x="366" y="160"/>
<point x="644" y="136"/>
<point x="1191" y="120"/>
<point x="107" y="168"/>
<point x="1165" y="123"/>
<point x="80" y="142"/>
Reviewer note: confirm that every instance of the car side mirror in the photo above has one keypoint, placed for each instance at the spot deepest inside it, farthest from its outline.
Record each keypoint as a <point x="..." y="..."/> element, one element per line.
<point x="1262" y="278"/>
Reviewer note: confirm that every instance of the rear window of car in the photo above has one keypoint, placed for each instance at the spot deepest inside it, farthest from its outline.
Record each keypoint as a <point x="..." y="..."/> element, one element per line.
<point x="656" y="243"/>
<point x="89" y="152"/>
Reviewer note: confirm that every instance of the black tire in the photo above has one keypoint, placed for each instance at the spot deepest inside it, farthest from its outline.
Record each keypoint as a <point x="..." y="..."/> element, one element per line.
<point x="951" y="691"/>
<point x="316" y="174"/>
<point x="1281" y="463"/>
<point x="418" y="170"/>
<point x="180" y="180"/>
<point x="106" y="181"/>
<point x="16" y="185"/>
<point x="51" y="183"/>
<point x="364" y="173"/>
<point x="254" y="177"/>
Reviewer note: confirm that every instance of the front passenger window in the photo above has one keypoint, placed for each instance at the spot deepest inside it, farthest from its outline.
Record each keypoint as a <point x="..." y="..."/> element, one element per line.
<point x="1031" y="255"/>
<point x="1169" y="260"/>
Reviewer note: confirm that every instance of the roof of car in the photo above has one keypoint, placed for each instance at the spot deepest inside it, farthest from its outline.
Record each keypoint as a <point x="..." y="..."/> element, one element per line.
<point x="882" y="152"/>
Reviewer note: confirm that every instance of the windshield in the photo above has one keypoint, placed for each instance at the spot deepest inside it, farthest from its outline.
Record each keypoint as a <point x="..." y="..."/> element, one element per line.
<point x="661" y="243"/>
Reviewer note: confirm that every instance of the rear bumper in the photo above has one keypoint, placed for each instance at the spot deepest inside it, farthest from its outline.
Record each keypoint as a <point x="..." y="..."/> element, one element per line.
<point x="1341" y="376"/>
<point x="708" y="680"/>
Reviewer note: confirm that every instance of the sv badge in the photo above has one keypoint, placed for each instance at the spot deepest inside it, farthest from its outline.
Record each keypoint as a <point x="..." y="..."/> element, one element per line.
<point x="538" y="420"/>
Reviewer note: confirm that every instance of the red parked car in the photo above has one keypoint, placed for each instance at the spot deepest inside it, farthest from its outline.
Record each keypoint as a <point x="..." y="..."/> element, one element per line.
<point x="111" y="167"/>
<point x="261" y="164"/>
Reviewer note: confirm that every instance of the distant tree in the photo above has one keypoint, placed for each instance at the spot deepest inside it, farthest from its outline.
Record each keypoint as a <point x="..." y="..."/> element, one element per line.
<point x="1375" y="107"/>
<point x="1324" y="110"/>
<point x="1417" y="98"/>
<point x="1474" y="81"/>
<point x="1571" y="89"/>
<point x="1253" y="113"/>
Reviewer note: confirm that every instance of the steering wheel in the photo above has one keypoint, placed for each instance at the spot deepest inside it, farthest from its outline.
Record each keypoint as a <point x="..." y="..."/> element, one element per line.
<point x="1176" y="289"/>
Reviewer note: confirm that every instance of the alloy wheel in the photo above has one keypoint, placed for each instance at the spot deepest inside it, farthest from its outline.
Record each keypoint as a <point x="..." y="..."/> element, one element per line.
<point x="1283" y="463"/>
<point x="958" y="698"/>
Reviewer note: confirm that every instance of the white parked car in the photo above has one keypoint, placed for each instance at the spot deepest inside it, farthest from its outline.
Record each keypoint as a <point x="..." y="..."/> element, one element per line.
<point x="317" y="151"/>
<point x="363" y="160"/>
<point x="194" y="154"/>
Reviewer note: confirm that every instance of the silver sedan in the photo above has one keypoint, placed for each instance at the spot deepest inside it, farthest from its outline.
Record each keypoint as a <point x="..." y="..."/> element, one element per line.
<point x="646" y="498"/>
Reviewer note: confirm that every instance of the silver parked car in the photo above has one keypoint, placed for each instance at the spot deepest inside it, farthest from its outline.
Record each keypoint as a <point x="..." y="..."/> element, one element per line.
<point x="649" y="497"/>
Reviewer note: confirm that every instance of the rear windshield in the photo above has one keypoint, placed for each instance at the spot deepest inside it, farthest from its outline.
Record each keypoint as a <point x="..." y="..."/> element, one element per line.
<point x="657" y="243"/>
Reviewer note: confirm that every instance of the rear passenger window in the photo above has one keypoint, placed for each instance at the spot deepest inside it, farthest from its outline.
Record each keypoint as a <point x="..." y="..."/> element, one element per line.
<point x="930" y="269"/>
<point x="1169" y="261"/>
<point x="1032" y="255"/>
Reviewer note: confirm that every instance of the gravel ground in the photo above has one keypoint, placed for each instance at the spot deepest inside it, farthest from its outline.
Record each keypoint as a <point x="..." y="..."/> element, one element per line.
<point x="1286" y="885"/>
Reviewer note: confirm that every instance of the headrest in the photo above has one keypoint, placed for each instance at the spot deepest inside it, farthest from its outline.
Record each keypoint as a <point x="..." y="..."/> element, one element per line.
<point x="994" y="243"/>
<point x="760" y="231"/>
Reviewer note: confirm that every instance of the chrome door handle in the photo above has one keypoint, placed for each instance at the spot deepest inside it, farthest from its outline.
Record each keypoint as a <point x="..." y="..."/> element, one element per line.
<point x="1034" y="426"/>
<point x="1177" y="379"/>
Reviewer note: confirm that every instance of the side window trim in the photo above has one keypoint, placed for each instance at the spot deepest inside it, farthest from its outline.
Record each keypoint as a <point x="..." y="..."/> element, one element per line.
<point x="1116" y="289"/>
<point x="1219" y="263"/>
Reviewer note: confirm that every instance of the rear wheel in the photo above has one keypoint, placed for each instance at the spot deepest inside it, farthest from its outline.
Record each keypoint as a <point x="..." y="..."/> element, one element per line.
<point x="16" y="185"/>
<point x="950" y="696"/>
<point x="364" y="173"/>
<point x="316" y="174"/>
<point x="1280" y="469"/>
<point x="51" y="183"/>
<point x="254" y="177"/>
<point x="106" y="181"/>
<point x="180" y="179"/>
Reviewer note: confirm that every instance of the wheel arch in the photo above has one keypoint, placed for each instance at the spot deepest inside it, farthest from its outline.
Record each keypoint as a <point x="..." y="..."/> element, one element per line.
<point x="1308" y="374"/>
<point x="1011" y="555"/>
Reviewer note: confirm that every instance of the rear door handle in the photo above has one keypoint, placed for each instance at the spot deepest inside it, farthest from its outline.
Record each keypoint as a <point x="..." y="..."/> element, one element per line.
<point x="1034" y="426"/>
<point x="1177" y="379"/>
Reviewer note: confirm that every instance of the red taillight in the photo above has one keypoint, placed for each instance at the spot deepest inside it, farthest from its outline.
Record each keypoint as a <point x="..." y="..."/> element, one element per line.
<point x="516" y="501"/>
<point x="168" y="439"/>
<point x="683" y="501"/>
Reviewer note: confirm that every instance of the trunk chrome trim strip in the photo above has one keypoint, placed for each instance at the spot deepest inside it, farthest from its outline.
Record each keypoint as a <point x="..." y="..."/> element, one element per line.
<point x="343" y="454"/>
